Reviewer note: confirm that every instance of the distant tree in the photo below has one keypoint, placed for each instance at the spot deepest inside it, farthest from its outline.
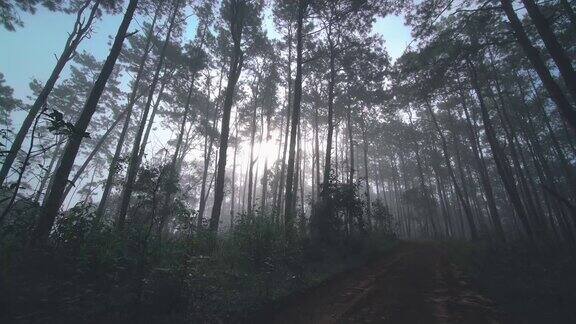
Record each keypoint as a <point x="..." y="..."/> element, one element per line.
<point x="7" y="102"/>
<point x="242" y="19"/>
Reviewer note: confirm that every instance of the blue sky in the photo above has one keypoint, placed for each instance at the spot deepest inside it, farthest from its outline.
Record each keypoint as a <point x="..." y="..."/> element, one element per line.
<point x="30" y="52"/>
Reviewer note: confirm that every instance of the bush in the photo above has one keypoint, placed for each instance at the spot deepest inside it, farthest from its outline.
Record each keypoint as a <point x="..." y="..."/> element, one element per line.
<point x="89" y="273"/>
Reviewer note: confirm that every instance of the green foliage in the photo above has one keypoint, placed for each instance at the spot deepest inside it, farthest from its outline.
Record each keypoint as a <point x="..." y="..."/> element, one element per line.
<point x="188" y="277"/>
<point x="339" y="213"/>
<point x="383" y="221"/>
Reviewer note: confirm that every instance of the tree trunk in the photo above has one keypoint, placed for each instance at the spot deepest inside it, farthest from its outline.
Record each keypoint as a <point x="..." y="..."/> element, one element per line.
<point x="208" y="144"/>
<point x="251" y="162"/>
<point x="134" y="161"/>
<point x="93" y="153"/>
<point x="483" y="173"/>
<point x="82" y="26"/>
<point x="556" y="51"/>
<point x="459" y="192"/>
<point x="351" y="146"/>
<point x="331" y="83"/>
<point x="232" y="201"/>
<point x="366" y="170"/>
<point x="129" y="109"/>
<point x="317" y="149"/>
<point x="187" y="108"/>
<point x="18" y="182"/>
<point x="265" y="174"/>
<point x="48" y="171"/>
<point x="282" y="181"/>
<point x="502" y="164"/>
<point x="288" y="212"/>
<point x="54" y="198"/>
<point x="236" y="60"/>
<point x="556" y="94"/>
<point x="150" y="123"/>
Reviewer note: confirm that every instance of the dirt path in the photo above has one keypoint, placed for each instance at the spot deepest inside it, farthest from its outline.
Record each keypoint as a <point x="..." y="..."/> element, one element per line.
<point x="414" y="284"/>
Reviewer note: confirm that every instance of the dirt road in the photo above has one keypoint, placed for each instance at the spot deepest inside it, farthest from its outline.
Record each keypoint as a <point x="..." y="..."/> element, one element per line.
<point x="414" y="284"/>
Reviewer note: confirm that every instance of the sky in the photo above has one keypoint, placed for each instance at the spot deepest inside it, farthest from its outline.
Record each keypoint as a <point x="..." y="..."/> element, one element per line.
<point x="30" y="52"/>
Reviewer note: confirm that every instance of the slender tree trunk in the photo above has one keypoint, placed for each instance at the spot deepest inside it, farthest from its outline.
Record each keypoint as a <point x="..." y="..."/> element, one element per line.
<point x="317" y="149"/>
<point x="93" y="153"/>
<point x="459" y="192"/>
<point x="515" y="151"/>
<point x="483" y="173"/>
<point x="150" y="123"/>
<point x="54" y="198"/>
<point x="556" y="51"/>
<point x="278" y="204"/>
<point x="288" y="212"/>
<point x="568" y="169"/>
<point x="82" y="26"/>
<point x="502" y="164"/>
<point x="331" y="84"/>
<point x="129" y="109"/>
<point x="366" y="170"/>
<point x="232" y="201"/>
<point x="18" y="182"/>
<point x="351" y="146"/>
<point x="252" y="139"/>
<point x="565" y="108"/>
<point x="276" y="183"/>
<point x="208" y="144"/>
<point x="48" y="172"/>
<point x="570" y="13"/>
<point x="265" y="174"/>
<point x="187" y="112"/>
<point x="236" y="60"/>
<point x="297" y="171"/>
<point x="134" y="161"/>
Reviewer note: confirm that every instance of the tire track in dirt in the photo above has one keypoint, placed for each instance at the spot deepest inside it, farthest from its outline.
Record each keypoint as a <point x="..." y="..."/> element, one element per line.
<point x="414" y="284"/>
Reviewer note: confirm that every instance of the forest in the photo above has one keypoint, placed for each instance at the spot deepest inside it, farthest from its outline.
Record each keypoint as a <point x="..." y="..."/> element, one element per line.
<point x="274" y="161"/>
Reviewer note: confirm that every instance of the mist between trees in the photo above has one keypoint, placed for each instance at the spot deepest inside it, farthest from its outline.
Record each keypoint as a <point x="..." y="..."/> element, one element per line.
<point x="314" y="136"/>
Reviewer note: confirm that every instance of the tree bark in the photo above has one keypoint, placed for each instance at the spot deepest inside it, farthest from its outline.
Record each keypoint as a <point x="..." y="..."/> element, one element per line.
<point x="331" y="83"/>
<point x="150" y="123"/>
<point x="565" y="108"/>
<point x="483" y="173"/>
<point x="232" y="200"/>
<point x="251" y="162"/>
<point x="282" y="181"/>
<point x="502" y="164"/>
<point x="207" y="157"/>
<point x="366" y="170"/>
<point x="556" y="51"/>
<point x="48" y="170"/>
<point x="134" y="161"/>
<point x="288" y="212"/>
<point x="459" y="192"/>
<point x="129" y="109"/>
<point x="54" y="199"/>
<point x="93" y="153"/>
<point x="351" y="146"/>
<point x="81" y="27"/>
<point x="236" y="59"/>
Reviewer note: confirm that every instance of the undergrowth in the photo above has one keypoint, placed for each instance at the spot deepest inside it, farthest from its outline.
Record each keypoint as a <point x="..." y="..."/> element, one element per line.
<point x="90" y="274"/>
